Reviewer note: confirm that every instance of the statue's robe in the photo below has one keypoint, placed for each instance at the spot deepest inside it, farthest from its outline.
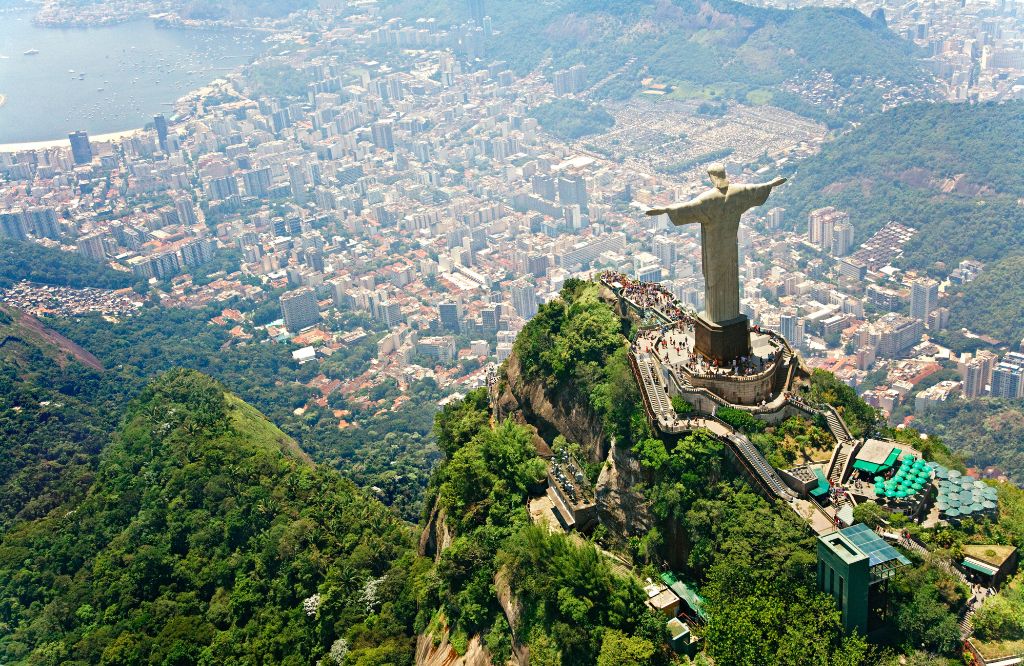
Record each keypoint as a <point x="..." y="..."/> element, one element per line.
<point x="718" y="212"/>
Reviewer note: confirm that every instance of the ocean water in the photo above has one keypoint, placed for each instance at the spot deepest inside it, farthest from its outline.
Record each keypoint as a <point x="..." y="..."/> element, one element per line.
<point x="103" y="79"/>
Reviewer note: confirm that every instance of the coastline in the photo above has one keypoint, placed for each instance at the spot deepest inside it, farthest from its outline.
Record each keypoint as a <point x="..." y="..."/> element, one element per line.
<point x="65" y="143"/>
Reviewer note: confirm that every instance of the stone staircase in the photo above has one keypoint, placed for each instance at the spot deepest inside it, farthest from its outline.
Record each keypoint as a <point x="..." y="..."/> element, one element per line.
<point x="966" y="621"/>
<point x="835" y="475"/>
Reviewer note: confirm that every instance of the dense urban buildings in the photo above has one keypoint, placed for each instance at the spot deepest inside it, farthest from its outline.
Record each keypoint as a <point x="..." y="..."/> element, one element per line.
<point x="423" y="198"/>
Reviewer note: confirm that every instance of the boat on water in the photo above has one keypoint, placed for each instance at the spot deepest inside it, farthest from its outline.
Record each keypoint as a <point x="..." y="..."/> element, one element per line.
<point x="31" y="52"/>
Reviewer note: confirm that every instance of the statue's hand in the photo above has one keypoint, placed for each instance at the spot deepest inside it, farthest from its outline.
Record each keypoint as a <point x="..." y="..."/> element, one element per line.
<point x="778" y="181"/>
<point x="657" y="211"/>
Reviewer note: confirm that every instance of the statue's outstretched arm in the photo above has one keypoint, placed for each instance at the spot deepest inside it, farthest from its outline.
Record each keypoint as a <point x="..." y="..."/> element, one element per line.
<point x="754" y="194"/>
<point x="680" y="213"/>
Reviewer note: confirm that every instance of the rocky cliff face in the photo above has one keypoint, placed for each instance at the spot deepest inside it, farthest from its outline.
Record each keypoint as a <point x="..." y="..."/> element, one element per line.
<point x="436" y="536"/>
<point x="620" y="507"/>
<point x="529" y="404"/>
<point x="623" y="510"/>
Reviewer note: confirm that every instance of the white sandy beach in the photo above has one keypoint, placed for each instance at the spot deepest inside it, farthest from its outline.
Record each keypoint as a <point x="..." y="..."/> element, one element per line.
<point x="64" y="143"/>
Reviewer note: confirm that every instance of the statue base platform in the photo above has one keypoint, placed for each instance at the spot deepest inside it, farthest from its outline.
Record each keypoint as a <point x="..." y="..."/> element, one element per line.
<point x="723" y="341"/>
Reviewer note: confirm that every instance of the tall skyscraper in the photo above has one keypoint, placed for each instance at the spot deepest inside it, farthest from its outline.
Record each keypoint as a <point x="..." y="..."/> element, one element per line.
<point x="257" y="182"/>
<point x="524" y="298"/>
<point x="12" y="224"/>
<point x="383" y="135"/>
<point x="92" y="246"/>
<point x="160" y="122"/>
<point x="842" y="239"/>
<point x="924" y="297"/>
<point x="775" y="217"/>
<point x="299" y="309"/>
<point x="477" y="11"/>
<point x="977" y="373"/>
<point x="788" y="327"/>
<point x="450" y="315"/>
<point x="81" y="149"/>
<point x="186" y="211"/>
<point x="198" y="251"/>
<point x="821" y="225"/>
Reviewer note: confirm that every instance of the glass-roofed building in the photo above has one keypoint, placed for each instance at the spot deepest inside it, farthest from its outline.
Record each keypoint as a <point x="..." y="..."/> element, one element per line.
<point x="851" y="562"/>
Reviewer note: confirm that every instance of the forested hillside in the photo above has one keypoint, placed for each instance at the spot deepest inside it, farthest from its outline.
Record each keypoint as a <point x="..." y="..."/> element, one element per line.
<point x="951" y="171"/>
<point x="994" y="302"/>
<point x="199" y="533"/>
<point x="23" y="260"/>
<point x="206" y="538"/>
<point x="393" y="452"/>
<point x="52" y="419"/>
<point x="745" y="48"/>
<point x="984" y="431"/>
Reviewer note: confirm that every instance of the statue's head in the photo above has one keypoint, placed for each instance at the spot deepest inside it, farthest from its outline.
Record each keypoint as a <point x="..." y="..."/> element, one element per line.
<point x="718" y="177"/>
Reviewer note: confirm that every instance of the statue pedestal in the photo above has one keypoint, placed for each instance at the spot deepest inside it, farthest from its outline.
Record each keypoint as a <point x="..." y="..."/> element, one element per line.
<point x="723" y="341"/>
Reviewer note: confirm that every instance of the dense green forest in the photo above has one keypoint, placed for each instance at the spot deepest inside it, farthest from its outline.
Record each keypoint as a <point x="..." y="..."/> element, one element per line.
<point x="392" y="451"/>
<point x="22" y="260"/>
<point x="570" y="119"/>
<point x="984" y="431"/>
<point x="575" y="346"/>
<point x="206" y="538"/>
<point x="895" y="166"/>
<point x="52" y="428"/>
<point x="687" y="41"/>
<point x="568" y="593"/>
<point x="993" y="303"/>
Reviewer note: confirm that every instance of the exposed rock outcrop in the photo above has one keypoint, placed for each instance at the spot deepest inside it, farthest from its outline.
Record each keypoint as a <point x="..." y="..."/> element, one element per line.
<point x="511" y="607"/>
<point x="622" y="509"/>
<point x="528" y="403"/>
<point x="443" y="654"/>
<point x="436" y="536"/>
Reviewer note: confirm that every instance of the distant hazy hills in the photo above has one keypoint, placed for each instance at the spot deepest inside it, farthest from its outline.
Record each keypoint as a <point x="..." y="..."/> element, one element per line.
<point x="744" y="51"/>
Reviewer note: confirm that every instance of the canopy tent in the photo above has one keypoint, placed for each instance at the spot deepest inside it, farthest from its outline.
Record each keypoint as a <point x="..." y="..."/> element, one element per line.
<point x="980" y="567"/>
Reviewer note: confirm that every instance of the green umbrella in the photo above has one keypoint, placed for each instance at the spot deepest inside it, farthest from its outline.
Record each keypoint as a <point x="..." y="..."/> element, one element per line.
<point x="890" y="493"/>
<point x="953" y="513"/>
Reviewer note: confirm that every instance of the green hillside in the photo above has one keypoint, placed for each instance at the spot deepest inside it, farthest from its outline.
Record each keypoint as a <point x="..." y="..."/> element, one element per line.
<point x="898" y="166"/>
<point x="689" y="42"/>
<point x="52" y="419"/>
<point x="994" y="302"/>
<point x="22" y="260"/>
<point x="203" y="538"/>
<point x="983" y="431"/>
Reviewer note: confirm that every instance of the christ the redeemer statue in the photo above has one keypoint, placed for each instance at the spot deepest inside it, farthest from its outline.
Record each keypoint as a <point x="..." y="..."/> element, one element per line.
<point x="718" y="212"/>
